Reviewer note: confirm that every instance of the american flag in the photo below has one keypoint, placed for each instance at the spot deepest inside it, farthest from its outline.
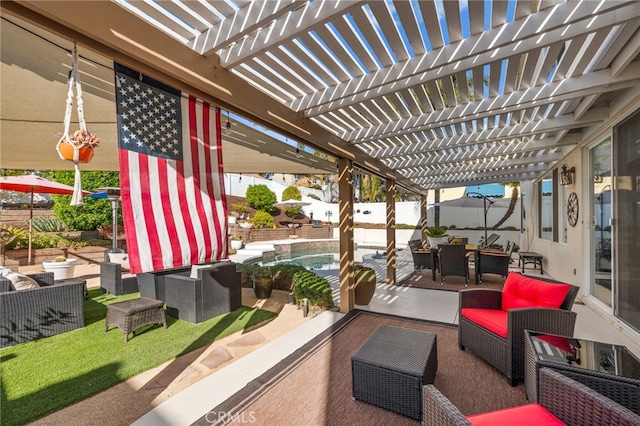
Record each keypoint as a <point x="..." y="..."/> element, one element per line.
<point x="171" y="175"/>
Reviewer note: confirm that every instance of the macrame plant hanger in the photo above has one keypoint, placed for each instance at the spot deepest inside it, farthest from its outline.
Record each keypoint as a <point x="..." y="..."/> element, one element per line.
<point x="76" y="148"/>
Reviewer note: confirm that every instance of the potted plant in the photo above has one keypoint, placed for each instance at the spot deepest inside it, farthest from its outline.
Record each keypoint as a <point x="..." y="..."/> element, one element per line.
<point x="61" y="267"/>
<point x="262" y="281"/>
<point x="237" y="211"/>
<point x="365" y="279"/>
<point x="437" y="235"/>
<point x="236" y="243"/>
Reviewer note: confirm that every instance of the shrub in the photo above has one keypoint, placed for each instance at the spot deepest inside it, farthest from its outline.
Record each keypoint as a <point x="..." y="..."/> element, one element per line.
<point x="291" y="193"/>
<point x="239" y="208"/>
<point x="14" y="237"/>
<point x="313" y="287"/>
<point x="40" y="241"/>
<point x="262" y="219"/>
<point x="47" y="224"/>
<point x="260" y="197"/>
<point x="93" y="212"/>
<point x="314" y="196"/>
<point x="283" y="277"/>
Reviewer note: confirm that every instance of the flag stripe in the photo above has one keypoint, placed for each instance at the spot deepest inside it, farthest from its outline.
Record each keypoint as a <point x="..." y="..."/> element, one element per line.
<point x="199" y="179"/>
<point x="172" y="185"/>
<point x="127" y="211"/>
<point x="171" y="253"/>
<point x="222" y="226"/>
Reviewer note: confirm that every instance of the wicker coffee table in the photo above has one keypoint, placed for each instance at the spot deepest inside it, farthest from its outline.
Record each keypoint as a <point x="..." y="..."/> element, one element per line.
<point x="130" y="315"/>
<point x="391" y="367"/>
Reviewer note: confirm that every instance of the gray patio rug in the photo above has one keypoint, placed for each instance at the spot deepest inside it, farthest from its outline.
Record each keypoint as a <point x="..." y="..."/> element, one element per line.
<point x="423" y="279"/>
<point x="313" y="385"/>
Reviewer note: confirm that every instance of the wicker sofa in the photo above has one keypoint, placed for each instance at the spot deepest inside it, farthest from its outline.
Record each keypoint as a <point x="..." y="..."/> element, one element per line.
<point x="209" y="291"/>
<point x="570" y="402"/>
<point x="152" y="284"/>
<point x="492" y="322"/>
<point x="32" y="314"/>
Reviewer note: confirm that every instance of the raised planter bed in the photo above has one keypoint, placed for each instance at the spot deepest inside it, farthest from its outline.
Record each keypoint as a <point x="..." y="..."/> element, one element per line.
<point x="85" y="255"/>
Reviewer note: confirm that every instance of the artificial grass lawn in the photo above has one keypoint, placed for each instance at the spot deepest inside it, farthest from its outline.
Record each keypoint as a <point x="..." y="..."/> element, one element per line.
<point x="45" y="375"/>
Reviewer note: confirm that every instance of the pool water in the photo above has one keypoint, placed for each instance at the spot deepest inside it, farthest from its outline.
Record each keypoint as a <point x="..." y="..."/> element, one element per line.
<point x="318" y="261"/>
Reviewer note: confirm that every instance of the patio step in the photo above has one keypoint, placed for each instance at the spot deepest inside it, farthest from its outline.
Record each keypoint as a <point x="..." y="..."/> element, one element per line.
<point x="259" y="246"/>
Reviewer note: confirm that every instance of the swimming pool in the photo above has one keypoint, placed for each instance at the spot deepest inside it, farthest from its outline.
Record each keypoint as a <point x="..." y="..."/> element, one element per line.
<point x="316" y="261"/>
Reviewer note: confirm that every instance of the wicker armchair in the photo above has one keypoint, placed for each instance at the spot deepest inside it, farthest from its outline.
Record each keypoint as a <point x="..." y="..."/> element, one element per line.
<point x="216" y="291"/>
<point x="569" y="401"/>
<point x="507" y="353"/>
<point x="27" y="315"/>
<point x="115" y="278"/>
<point x="423" y="258"/>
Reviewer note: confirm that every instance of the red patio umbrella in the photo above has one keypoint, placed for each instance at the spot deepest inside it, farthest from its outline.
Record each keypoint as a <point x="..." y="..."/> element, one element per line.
<point x="34" y="184"/>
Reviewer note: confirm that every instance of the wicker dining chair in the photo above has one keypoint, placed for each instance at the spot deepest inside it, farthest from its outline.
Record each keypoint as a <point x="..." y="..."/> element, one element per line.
<point x="453" y="260"/>
<point x="423" y="258"/>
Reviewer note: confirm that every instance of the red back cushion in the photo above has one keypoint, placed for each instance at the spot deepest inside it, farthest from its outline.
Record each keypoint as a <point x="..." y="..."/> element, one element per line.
<point x="525" y="292"/>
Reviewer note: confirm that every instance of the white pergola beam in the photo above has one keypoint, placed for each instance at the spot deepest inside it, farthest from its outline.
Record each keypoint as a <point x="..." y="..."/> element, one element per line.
<point x="284" y="30"/>
<point x="247" y="20"/>
<point x="594" y="83"/>
<point x="518" y="37"/>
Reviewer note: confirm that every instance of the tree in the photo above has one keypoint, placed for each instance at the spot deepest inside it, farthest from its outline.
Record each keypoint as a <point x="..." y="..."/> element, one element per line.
<point x="512" y="203"/>
<point x="371" y="189"/>
<point x="292" y="193"/>
<point x="260" y="197"/>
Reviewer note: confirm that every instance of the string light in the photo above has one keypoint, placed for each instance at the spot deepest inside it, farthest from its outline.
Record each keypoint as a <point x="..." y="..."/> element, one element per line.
<point x="227" y="126"/>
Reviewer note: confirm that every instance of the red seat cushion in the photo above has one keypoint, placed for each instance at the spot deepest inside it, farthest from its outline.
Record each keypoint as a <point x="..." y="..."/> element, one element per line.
<point x="523" y="415"/>
<point x="525" y="292"/>
<point x="494" y="320"/>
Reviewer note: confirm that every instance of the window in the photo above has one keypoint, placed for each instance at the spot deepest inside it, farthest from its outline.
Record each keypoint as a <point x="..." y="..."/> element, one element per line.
<point x="548" y="207"/>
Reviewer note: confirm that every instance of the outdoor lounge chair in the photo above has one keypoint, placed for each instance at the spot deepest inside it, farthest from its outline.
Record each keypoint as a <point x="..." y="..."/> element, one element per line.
<point x="32" y="314"/>
<point x="492" y="322"/>
<point x="211" y="290"/>
<point x="115" y="278"/>
<point x="562" y="401"/>
<point x="491" y="239"/>
<point x="453" y="260"/>
<point x="423" y="258"/>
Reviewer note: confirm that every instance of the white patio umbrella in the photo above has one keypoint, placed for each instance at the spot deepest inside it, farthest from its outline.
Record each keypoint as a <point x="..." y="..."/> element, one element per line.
<point x="483" y="202"/>
<point x="31" y="184"/>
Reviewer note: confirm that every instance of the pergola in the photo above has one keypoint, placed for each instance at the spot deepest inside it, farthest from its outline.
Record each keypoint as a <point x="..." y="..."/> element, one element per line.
<point x="427" y="94"/>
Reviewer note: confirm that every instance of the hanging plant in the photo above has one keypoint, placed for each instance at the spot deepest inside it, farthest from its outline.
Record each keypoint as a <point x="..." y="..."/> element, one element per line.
<point x="77" y="147"/>
<point x="82" y="141"/>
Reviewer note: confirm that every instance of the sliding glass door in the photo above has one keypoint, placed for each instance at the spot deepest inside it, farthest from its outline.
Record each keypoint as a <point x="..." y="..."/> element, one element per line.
<point x="626" y="224"/>
<point x="601" y="235"/>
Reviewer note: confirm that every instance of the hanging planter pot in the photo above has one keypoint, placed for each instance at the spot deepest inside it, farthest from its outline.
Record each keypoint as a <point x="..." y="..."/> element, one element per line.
<point x="67" y="152"/>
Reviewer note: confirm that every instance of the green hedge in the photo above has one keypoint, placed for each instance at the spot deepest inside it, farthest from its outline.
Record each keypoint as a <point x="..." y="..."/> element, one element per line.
<point x="313" y="287"/>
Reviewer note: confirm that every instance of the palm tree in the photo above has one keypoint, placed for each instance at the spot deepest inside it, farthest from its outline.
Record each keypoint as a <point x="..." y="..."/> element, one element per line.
<point x="371" y="189"/>
<point x="512" y="204"/>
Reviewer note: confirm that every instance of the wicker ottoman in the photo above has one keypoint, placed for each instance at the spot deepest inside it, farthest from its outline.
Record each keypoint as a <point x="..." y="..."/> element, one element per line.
<point x="130" y="315"/>
<point x="391" y="367"/>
